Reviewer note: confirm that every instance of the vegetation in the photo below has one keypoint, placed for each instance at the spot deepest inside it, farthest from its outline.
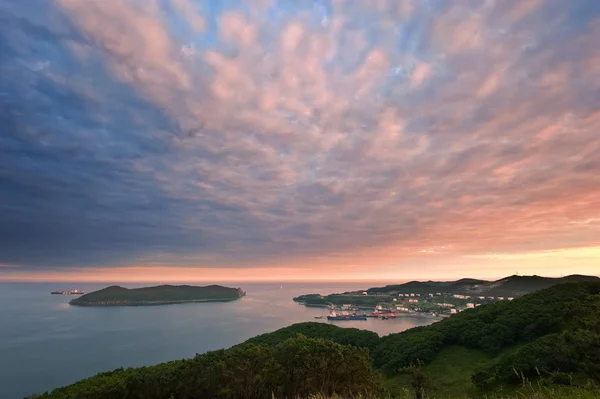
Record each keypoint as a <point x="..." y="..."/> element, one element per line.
<point x="313" y="300"/>
<point x="159" y="295"/>
<point x="344" y="336"/>
<point x="543" y="345"/>
<point x="295" y="367"/>
<point x="492" y="328"/>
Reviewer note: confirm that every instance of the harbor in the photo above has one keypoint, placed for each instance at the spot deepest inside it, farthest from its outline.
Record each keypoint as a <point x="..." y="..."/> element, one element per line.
<point x="351" y="313"/>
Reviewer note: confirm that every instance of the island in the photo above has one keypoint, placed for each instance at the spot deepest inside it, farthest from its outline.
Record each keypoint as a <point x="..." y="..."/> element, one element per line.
<point x="158" y="295"/>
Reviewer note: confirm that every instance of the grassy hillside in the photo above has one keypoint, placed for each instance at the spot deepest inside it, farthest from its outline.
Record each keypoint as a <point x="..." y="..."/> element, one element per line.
<point x="543" y="345"/>
<point x="551" y="336"/>
<point x="492" y="328"/>
<point x="162" y="294"/>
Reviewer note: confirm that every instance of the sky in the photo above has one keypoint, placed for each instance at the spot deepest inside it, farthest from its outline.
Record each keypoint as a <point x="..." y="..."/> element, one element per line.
<point x="183" y="140"/>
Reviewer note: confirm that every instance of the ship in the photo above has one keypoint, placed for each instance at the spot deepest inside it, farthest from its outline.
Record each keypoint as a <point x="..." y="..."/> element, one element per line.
<point x="72" y="292"/>
<point x="385" y="314"/>
<point x="335" y="316"/>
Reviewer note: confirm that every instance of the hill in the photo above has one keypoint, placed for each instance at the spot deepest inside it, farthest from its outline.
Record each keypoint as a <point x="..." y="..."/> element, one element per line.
<point x="520" y="285"/>
<point x="512" y="286"/>
<point x="543" y="345"/>
<point x="159" y="295"/>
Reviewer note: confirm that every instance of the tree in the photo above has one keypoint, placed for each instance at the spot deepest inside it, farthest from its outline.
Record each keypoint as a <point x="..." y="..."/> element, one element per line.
<point x="419" y="380"/>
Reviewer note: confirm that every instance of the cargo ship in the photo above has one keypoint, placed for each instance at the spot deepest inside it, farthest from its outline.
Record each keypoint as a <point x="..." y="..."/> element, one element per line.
<point x="72" y="292"/>
<point x="334" y="316"/>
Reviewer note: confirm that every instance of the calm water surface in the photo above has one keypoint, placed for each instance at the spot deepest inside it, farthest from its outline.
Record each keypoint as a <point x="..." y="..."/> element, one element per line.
<point x="45" y="343"/>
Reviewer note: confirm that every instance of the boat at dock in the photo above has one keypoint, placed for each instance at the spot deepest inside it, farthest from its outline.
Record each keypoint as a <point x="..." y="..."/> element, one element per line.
<point x="338" y="317"/>
<point x="385" y="314"/>
<point x="72" y="292"/>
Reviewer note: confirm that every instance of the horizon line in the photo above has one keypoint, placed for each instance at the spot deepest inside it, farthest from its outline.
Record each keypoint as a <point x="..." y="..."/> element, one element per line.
<point x="278" y="281"/>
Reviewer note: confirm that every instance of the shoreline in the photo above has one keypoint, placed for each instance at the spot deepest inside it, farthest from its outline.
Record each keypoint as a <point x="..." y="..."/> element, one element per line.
<point x="150" y="303"/>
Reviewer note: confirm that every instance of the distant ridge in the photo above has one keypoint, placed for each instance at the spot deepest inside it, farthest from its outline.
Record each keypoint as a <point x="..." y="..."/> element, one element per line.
<point x="511" y="286"/>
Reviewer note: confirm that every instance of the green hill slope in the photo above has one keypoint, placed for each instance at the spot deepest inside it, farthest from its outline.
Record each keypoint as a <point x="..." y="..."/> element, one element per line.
<point x="492" y="328"/>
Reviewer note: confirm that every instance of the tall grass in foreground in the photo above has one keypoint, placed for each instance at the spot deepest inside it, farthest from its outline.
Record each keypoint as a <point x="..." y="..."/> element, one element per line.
<point x="525" y="392"/>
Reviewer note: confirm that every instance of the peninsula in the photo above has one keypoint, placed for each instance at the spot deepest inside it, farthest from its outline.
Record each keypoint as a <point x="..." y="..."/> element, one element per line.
<point x="439" y="297"/>
<point x="159" y="295"/>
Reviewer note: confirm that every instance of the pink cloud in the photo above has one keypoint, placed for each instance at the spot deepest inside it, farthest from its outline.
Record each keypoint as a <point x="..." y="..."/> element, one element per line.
<point x="188" y="10"/>
<point x="420" y="73"/>
<point x="474" y="160"/>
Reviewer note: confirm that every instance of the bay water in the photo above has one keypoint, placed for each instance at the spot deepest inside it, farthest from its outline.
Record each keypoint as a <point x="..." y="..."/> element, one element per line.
<point x="45" y="343"/>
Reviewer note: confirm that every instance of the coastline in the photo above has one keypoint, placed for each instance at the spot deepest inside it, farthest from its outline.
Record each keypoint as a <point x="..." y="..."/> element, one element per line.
<point x="148" y="303"/>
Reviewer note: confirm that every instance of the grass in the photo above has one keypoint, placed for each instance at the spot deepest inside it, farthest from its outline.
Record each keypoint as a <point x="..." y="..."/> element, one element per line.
<point x="530" y="392"/>
<point x="450" y="373"/>
<point x="452" y="368"/>
<point x="533" y="391"/>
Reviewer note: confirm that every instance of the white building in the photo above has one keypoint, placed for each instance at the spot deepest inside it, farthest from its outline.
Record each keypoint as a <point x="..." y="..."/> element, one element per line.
<point x="510" y="298"/>
<point x="482" y="297"/>
<point x="445" y="305"/>
<point x="452" y="311"/>
<point x="412" y="294"/>
<point x="395" y="300"/>
<point x="500" y="298"/>
<point x="365" y="293"/>
<point x="470" y="305"/>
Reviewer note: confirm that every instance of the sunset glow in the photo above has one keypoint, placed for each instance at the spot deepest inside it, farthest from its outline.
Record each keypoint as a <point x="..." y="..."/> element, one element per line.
<point x="174" y="141"/>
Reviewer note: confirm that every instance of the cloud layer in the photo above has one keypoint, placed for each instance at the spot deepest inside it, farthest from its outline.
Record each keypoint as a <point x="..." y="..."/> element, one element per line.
<point x="277" y="133"/>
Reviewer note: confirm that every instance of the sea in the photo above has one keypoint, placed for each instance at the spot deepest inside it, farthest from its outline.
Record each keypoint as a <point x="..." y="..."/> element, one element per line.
<point x="45" y="343"/>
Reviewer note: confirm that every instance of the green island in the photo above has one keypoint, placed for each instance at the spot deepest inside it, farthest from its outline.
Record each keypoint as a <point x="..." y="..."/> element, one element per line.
<point x="438" y="298"/>
<point x="159" y="295"/>
<point x="541" y="345"/>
